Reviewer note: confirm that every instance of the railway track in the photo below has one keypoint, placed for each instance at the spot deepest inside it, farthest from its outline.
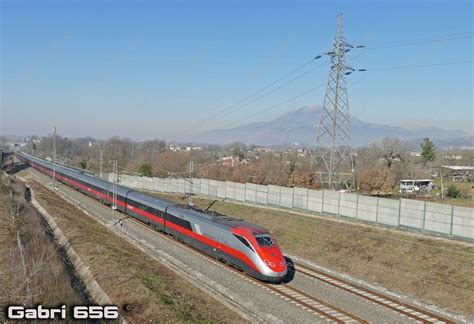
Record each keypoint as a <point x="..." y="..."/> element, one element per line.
<point x="291" y="294"/>
<point x="310" y="303"/>
<point x="403" y="309"/>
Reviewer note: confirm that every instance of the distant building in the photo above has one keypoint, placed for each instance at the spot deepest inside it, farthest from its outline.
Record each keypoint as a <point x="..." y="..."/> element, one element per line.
<point x="453" y="157"/>
<point x="416" y="187"/>
<point x="460" y="172"/>
<point x="232" y="161"/>
<point x="174" y="148"/>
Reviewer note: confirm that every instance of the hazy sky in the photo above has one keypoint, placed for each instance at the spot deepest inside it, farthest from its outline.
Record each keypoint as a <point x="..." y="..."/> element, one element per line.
<point x="149" y="69"/>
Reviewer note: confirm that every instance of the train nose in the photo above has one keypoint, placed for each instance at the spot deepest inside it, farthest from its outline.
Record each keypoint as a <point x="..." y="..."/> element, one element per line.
<point x="275" y="261"/>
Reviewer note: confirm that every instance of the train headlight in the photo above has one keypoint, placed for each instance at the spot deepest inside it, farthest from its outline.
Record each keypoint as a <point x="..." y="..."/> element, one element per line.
<point x="268" y="263"/>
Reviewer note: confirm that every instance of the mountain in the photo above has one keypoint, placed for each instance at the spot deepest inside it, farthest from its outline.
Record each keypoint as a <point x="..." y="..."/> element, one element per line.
<point x="298" y="127"/>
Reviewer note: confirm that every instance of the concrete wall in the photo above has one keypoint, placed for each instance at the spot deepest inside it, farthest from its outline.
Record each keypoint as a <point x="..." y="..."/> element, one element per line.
<point x="420" y="215"/>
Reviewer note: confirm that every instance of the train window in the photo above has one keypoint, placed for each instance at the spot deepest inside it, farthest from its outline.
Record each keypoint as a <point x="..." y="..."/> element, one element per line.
<point x="243" y="240"/>
<point x="264" y="240"/>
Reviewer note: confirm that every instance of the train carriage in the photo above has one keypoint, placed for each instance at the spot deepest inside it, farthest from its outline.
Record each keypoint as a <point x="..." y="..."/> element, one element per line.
<point x="243" y="245"/>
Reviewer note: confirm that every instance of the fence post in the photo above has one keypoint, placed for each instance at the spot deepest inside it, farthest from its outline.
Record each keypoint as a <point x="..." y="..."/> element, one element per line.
<point x="307" y="199"/>
<point x="322" y="203"/>
<point x="357" y="206"/>
<point x="339" y="204"/>
<point x="267" y="195"/>
<point x="377" y="211"/>
<point x="424" y="215"/>
<point x="399" y="210"/>
<point x="279" y="196"/>
<point x="452" y="220"/>
<point x="293" y="199"/>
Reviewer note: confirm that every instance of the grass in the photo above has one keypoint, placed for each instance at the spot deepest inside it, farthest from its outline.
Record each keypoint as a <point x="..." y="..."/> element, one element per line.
<point x="465" y="187"/>
<point x="433" y="270"/>
<point x="128" y="275"/>
<point x="49" y="282"/>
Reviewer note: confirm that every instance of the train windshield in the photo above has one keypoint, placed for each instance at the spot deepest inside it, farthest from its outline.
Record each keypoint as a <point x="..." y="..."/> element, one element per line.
<point x="264" y="240"/>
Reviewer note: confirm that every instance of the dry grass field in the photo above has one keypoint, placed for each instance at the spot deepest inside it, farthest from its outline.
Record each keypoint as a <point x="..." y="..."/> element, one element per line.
<point x="43" y="278"/>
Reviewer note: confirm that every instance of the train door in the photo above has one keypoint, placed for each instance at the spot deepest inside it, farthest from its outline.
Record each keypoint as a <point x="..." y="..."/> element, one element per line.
<point x="221" y="255"/>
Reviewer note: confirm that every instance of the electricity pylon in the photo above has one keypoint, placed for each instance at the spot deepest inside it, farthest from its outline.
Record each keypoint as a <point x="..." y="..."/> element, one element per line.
<point x="334" y="158"/>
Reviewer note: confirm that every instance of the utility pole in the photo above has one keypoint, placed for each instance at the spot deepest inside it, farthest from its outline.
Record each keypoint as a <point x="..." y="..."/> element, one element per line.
<point x="190" y="175"/>
<point x="54" y="156"/>
<point x="114" y="187"/>
<point x="189" y="179"/>
<point x="334" y="159"/>
<point x="101" y="161"/>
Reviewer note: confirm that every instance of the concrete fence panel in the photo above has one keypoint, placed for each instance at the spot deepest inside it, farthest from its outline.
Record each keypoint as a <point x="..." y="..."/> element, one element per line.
<point x="205" y="187"/>
<point x="273" y="195"/>
<point x="315" y="200"/>
<point x="388" y="211"/>
<point x="348" y="205"/>
<point x="367" y="208"/>
<point x="188" y="186"/>
<point x="230" y="190"/>
<point x="438" y="218"/>
<point x="300" y="198"/>
<point x="240" y="191"/>
<point x="261" y="194"/>
<point x="286" y="197"/>
<point x="167" y="184"/>
<point x="212" y="188"/>
<point x="146" y="183"/>
<point x="161" y="185"/>
<point x="197" y="186"/>
<point x="331" y="202"/>
<point x="221" y="189"/>
<point x="180" y="185"/>
<point x="250" y="192"/>
<point x="412" y="213"/>
<point x="463" y="222"/>
<point x="174" y="185"/>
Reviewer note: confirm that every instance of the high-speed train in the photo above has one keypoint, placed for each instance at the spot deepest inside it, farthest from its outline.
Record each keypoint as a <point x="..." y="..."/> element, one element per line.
<point x="245" y="246"/>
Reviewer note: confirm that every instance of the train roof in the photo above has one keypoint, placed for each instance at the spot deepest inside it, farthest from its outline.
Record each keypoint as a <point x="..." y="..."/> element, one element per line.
<point x="211" y="217"/>
<point x="144" y="198"/>
<point x="216" y="218"/>
<point x="60" y="165"/>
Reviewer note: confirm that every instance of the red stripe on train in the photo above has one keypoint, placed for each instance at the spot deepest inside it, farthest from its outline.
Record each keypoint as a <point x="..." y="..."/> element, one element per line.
<point x="204" y="239"/>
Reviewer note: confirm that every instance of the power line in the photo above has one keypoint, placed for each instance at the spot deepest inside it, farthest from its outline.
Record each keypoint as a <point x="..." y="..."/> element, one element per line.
<point x="233" y="108"/>
<point x="416" y="66"/>
<point x="420" y="41"/>
<point x="276" y="105"/>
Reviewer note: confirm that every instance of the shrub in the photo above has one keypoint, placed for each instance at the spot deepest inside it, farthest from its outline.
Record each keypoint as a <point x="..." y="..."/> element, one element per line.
<point x="454" y="191"/>
<point x="376" y="181"/>
<point x="144" y="170"/>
